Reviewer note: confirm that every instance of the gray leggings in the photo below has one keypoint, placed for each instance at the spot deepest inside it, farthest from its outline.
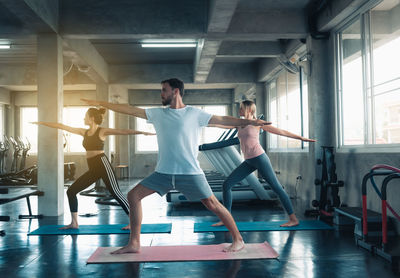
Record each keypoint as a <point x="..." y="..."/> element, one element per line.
<point x="264" y="167"/>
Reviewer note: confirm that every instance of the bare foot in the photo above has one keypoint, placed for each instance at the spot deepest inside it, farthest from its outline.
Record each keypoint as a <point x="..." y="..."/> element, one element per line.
<point x="236" y="246"/>
<point x="218" y="224"/>
<point x="290" y="223"/>
<point x="130" y="248"/>
<point x="70" y="226"/>
<point x="127" y="227"/>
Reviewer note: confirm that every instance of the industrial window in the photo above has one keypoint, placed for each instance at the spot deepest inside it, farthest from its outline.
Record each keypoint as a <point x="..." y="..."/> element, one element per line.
<point x="28" y="130"/>
<point x="72" y="116"/>
<point x="210" y="135"/>
<point x="145" y="143"/>
<point x="149" y="143"/>
<point x="288" y="109"/>
<point x="369" y="77"/>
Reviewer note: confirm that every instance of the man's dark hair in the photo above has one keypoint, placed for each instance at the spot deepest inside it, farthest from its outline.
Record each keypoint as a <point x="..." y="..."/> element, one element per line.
<point x="175" y="83"/>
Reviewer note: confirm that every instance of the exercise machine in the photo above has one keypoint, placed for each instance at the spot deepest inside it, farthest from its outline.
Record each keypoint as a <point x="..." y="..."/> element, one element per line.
<point x="224" y="157"/>
<point x="25" y="147"/>
<point x="4" y="147"/>
<point x="384" y="243"/>
<point x="328" y="183"/>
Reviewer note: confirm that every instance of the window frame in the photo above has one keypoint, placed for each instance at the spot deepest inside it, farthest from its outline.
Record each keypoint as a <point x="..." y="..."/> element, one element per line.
<point x="136" y="151"/>
<point x="31" y="152"/>
<point x="370" y="145"/>
<point x="65" y="107"/>
<point x="302" y="147"/>
<point x="63" y="115"/>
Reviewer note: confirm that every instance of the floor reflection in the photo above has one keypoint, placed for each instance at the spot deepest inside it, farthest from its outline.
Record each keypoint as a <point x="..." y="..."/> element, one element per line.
<point x="301" y="253"/>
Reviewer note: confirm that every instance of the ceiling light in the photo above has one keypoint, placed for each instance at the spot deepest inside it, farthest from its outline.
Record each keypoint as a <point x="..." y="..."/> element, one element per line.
<point x="5" y="46"/>
<point x="169" y="45"/>
<point x="168" y="41"/>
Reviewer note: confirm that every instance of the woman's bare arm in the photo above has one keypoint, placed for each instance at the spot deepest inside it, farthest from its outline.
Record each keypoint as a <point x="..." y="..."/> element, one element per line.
<point x="114" y="131"/>
<point x="221" y="126"/>
<point x="282" y="132"/>
<point x="75" y="130"/>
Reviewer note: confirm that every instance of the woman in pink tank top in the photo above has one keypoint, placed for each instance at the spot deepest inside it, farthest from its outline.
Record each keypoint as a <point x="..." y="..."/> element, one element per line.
<point x="256" y="159"/>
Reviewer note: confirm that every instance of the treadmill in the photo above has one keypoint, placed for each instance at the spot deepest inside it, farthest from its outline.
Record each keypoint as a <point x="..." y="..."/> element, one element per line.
<point x="224" y="157"/>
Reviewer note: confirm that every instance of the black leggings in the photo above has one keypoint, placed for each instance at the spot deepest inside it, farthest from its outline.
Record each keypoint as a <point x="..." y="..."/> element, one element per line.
<point x="99" y="167"/>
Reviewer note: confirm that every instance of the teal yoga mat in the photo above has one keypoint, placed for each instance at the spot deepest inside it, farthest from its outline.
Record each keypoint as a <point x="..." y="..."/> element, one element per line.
<point x="263" y="226"/>
<point x="100" y="229"/>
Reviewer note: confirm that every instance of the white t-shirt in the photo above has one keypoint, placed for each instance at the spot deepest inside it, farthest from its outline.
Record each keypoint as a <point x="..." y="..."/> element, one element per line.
<point x="178" y="133"/>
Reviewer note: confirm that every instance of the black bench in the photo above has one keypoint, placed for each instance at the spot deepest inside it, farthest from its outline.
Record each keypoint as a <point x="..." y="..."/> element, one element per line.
<point x="11" y="194"/>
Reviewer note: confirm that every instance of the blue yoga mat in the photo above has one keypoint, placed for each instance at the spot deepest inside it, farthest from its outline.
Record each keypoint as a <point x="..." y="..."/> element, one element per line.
<point x="263" y="226"/>
<point x="100" y="229"/>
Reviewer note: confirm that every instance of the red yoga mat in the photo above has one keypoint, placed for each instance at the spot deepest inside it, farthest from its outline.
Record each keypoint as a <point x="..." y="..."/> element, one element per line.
<point x="184" y="253"/>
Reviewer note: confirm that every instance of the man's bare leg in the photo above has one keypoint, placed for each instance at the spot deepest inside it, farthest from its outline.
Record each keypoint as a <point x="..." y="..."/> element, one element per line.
<point x="215" y="206"/>
<point x="135" y="197"/>
<point x="293" y="221"/>
<point x="74" y="222"/>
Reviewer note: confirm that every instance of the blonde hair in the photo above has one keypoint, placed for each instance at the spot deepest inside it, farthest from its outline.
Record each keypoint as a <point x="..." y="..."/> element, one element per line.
<point x="249" y="106"/>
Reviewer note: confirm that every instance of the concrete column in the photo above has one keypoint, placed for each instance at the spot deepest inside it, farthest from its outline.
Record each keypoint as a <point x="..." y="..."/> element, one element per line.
<point x="123" y="140"/>
<point x="102" y="94"/>
<point x="321" y="98"/>
<point x="50" y="141"/>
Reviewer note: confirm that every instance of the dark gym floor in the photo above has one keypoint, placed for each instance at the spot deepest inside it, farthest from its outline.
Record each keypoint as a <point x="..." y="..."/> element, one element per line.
<point x="301" y="253"/>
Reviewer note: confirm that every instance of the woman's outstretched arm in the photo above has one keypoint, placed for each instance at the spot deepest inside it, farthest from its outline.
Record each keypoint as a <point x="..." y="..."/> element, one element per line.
<point x="282" y="132"/>
<point x="221" y="126"/>
<point x="114" y="131"/>
<point x="75" y="130"/>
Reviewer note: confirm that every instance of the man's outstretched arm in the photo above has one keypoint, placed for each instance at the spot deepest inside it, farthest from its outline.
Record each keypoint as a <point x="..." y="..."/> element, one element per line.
<point x="235" y="122"/>
<point x="121" y="108"/>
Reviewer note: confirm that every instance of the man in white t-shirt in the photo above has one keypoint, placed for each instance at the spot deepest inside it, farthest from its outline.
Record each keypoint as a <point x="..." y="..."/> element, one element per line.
<point x="178" y="127"/>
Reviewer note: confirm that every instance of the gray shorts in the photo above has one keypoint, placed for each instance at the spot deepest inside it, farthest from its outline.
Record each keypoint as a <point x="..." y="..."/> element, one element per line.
<point x="194" y="187"/>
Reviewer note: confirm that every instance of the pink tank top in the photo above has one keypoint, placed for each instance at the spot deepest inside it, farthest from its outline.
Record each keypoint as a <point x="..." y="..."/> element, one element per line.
<point x="249" y="141"/>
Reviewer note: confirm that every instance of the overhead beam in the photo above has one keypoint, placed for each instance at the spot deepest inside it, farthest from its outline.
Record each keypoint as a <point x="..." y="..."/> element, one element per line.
<point x="205" y="56"/>
<point x="233" y="73"/>
<point x="192" y="96"/>
<point x="133" y="17"/>
<point x="250" y="49"/>
<point x="244" y="91"/>
<point x="26" y="75"/>
<point x="88" y="55"/>
<point x="267" y="69"/>
<point x="155" y="73"/>
<point x="337" y="11"/>
<point x="220" y="16"/>
<point x="246" y="36"/>
<point x="224" y="73"/>
<point x="290" y="24"/>
<point x="38" y="16"/>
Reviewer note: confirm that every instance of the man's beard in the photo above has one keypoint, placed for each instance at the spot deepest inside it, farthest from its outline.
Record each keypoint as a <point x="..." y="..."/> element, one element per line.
<point x="166" y="101"/>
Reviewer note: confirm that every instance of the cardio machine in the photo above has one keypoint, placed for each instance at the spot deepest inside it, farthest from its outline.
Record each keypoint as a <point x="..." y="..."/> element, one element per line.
<point x="225" y="157"/>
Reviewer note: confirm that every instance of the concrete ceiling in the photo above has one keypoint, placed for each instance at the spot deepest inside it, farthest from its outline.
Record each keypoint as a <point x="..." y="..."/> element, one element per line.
<point x="236" y="39"/>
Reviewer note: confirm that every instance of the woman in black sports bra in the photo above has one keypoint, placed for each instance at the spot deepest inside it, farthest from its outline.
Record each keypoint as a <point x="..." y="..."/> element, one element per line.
<point x="99" y="165"/>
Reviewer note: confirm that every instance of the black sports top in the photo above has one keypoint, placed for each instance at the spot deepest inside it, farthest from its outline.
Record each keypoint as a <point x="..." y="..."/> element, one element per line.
<point x="93" y="143"/>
